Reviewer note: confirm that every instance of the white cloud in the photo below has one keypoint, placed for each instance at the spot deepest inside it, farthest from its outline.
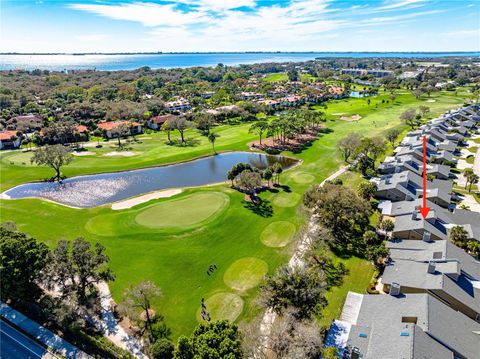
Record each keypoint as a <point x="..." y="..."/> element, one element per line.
<point x="149" y="14"/>
<point x="389" y="5"/>
<point x="216" y="25"/>
<point x="460" y="34"/>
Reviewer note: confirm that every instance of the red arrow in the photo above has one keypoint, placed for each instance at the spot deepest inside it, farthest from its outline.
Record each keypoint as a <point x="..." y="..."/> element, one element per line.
<point x="424" y="209"/>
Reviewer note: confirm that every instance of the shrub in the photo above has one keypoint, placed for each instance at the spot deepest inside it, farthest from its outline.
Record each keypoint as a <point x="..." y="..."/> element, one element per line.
<point x="162" y="349"/>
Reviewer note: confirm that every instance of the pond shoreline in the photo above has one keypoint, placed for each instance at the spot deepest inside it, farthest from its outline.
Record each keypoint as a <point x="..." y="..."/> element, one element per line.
<point x="84" y="179"/>
<point x="193" y="159"/>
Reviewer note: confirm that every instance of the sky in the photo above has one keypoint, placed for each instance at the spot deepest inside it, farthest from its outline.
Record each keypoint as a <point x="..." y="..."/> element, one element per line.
<point x="239" y="25"/>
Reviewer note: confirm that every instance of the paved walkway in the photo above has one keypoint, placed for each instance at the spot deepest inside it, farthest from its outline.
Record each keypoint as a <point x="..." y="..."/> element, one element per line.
<point x="109" y="326"/>
<point x="296" y="261"/>
<point x="42" y="334"/>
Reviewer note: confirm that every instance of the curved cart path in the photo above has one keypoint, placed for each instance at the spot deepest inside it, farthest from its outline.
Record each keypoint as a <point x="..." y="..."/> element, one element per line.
<point x="296" y="260"/>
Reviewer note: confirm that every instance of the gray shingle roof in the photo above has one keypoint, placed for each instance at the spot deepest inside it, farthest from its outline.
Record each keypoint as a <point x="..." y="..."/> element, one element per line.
<point x="384" y="328"/>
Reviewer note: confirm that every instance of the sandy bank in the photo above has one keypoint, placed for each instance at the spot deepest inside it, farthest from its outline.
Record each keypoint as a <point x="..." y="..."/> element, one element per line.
<point x="129" y="203"/>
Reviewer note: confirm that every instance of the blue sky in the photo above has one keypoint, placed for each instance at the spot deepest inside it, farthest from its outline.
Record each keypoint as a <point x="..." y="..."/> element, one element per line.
<point x="239" y="25"/>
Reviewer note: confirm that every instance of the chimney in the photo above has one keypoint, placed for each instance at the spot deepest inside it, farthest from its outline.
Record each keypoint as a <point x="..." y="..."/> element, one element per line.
<point x="431" y="267"/>
<point x="394" y="289"/>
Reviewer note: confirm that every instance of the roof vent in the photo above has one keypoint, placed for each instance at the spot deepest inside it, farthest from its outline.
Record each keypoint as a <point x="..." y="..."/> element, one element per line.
<point x="431" y="267"/>
<point x="437" y="255"/>
<point x="415" y="215"/>
<point x="394" y="289"/>
<point x="426" y="236"/>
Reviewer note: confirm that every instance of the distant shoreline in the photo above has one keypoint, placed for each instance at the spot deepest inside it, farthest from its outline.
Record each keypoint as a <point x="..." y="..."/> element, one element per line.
<point x="237" y="52"/>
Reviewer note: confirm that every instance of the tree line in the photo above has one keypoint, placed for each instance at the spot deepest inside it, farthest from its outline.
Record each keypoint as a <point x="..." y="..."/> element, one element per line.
<point x="61" y="285"/>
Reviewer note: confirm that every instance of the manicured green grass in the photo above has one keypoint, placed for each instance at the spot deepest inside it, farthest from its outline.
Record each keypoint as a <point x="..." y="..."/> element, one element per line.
<point x="222" y="306"/>
<point x="177" y="259"/>
<point x="473" y="149"/>
<point x="303" y="177"/>
<point x="245" y="273"/>
<point x="277" y="77"/>
<point x="360" y="272"/>
<point x="287" y="199"/>
<point x="171" y="214"/>
<point x="278" y="234"/>
<point x="307" y="78"/>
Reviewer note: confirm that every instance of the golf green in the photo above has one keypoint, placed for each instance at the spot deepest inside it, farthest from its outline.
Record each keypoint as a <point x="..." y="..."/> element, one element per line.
<point x="303" y="177"/>
<point x="222" y="306"/>
<point x="245" y="273"/>
<point x="278" y="234"/>
<point x="287" y="199"/>
<point x="184" y="212"/>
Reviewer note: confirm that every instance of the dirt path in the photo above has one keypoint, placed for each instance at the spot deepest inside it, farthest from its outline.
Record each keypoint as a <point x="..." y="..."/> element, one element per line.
<point x="296" y="261"/>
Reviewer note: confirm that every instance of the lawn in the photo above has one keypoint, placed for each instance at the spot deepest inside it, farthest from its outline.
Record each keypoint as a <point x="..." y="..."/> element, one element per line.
<point x="276" y="77"/>
<point x="220" y="228"/>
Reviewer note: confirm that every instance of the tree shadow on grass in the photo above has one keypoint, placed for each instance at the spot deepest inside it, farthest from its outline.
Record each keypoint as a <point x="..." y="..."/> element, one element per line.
<point x="189" y="142"/>
<point x="325" y="130"/>
<point x="284" y="187"/>
<point x="262" y="208"/>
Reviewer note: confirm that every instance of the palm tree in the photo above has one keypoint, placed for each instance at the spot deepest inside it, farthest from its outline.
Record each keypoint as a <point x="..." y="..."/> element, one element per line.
<point x="458" y="235"/>
<point x="277" y="169"/>
<point x="212" y="137"/>
<point x="467" y="173"/>
<point x="387" y="225"/>
<point x="472" y="179"/>
<point x="259" y="127"/>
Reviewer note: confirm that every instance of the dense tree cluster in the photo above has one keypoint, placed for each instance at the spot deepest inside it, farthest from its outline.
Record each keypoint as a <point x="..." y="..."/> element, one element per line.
<point x="459" y="236"/>
<point x="345" y="216"/>
<point x="215" y="340"/>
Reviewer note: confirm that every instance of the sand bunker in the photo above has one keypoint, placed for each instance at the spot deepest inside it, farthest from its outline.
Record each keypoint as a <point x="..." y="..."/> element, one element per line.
<point x="121" y="153"/>
<point x="338" y="114"/>
<point x="129" y="203"/>
<point x="431" y="101"/>
<point x="351" y="118"/>
<point x="84" y="153"/>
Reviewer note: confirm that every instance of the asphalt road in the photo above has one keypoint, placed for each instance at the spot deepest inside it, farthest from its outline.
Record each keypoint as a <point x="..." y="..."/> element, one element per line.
<point x="15" y="345"/>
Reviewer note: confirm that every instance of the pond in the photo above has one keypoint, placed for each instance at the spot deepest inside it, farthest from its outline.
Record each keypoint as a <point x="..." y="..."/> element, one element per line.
<point x="359" y="94"/>
<point x="96" y="190"/>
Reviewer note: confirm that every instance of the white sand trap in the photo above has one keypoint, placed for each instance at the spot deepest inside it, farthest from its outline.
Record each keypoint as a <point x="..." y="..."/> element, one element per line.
<point x="351" y="118"/>
<point x="84" y="153"/>
<point x="129" y="203"/>
<point x="121" y="153"/>
<point x="431" y="101"/>
<point x="338" y="113"/>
